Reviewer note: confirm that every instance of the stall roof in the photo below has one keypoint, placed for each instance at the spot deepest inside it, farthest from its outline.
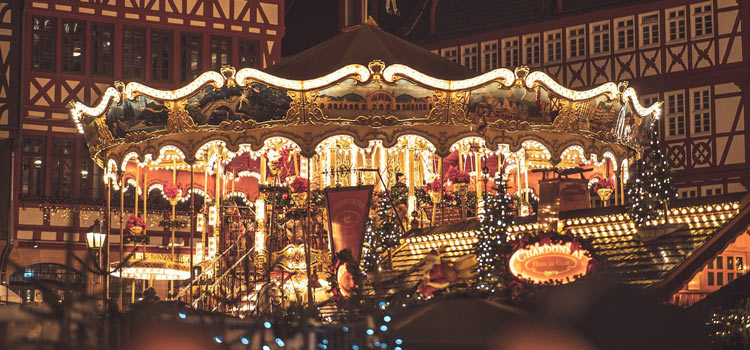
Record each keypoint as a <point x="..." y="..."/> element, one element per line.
<point x="363" y="44"/>
<point x="662" y="258"/>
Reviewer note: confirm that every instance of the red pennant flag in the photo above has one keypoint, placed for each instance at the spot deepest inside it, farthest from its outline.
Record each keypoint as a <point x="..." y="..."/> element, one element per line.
<point x="348" y="210"/>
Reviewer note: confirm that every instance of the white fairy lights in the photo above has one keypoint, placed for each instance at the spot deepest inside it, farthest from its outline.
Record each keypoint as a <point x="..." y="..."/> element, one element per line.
<point x="247" y="75"/>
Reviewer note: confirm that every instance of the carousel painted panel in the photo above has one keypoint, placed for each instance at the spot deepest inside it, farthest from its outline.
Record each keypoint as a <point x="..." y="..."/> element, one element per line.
<point x="255" y="102"/>
<point x="350" y="100"/>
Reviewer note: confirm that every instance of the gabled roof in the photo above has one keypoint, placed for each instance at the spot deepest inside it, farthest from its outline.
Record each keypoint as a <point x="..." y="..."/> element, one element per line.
<point x="363" y="44"/>
<point x="712" y="247"/>
<point x="648" y="260"/>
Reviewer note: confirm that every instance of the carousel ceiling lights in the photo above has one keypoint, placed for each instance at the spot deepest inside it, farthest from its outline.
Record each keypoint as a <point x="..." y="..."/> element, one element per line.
<point x="149" y="268"/>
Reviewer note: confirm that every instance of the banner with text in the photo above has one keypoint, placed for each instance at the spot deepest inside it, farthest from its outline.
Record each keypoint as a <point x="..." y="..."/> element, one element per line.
<point x="348" y="210"/>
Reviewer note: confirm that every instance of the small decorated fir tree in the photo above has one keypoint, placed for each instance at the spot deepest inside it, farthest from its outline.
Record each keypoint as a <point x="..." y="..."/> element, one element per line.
<point x="651" y="189"/>
<point x="493" y="228"/>
<point x="383" y="233"/>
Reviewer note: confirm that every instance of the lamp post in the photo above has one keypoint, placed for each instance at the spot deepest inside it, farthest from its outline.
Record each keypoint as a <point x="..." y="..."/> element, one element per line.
<point x="486" y="173"/>
<point x="95" y="240"/>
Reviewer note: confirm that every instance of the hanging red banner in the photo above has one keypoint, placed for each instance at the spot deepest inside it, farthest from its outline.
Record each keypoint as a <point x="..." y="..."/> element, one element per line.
<point x="348" y="210"/>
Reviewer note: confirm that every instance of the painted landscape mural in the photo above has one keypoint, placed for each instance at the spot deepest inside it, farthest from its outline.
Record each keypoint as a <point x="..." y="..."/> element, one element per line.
<point x="348" y="100"/>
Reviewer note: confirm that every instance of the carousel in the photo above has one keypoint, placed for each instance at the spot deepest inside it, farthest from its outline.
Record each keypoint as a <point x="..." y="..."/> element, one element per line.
<point x="240" y="165"/>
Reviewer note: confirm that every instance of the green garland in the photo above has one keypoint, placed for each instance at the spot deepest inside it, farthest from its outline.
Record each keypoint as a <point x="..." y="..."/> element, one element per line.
<point x="169" y="224"/>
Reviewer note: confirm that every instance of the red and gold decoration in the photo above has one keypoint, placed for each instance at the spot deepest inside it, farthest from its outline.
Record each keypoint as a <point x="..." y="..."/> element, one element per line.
<point x="348" y="209"/>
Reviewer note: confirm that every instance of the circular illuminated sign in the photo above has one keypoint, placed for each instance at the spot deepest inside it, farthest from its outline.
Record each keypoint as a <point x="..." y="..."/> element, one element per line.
<point x="549" y="263"/>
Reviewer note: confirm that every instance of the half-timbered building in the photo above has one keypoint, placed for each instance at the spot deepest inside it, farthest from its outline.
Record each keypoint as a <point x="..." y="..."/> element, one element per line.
<point x="688" y="54"/>
<point x="70" y="50"/>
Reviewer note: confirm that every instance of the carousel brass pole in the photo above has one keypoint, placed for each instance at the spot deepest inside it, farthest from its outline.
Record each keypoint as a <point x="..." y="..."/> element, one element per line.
<point x="105" y="291"/>
<point x="145" y="217"/>
<point x="308" y="239"/>
<point x="172" y="228"/>
<point x="477" y="188"/>
<point x="193" y="225"/>
<point x="137" y="183"/>
<point x="442" y="186"/>
<point x="122" y="244"/>
<point x="204" y="242"/>
<point x="106" y="241"/>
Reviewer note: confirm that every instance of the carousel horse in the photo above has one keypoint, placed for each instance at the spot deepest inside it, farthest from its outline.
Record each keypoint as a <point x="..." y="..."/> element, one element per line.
<point x="269" y="297"/>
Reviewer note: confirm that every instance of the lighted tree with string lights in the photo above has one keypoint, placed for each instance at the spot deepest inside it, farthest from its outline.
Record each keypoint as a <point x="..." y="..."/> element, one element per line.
<point x="383" y="233"/>
<point x="651" y="189"/>
<point x="493" y="228"/>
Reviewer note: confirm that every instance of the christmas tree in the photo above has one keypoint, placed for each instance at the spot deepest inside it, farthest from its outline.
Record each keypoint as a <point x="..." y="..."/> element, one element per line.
<point x="383" y="233"/>
<point x="651" y="189"/>
<point x="493" y="227"/>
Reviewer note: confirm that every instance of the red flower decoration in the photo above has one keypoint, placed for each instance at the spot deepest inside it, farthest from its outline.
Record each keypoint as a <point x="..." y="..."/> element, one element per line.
<point x="604" y="183"/>
<point x="434" y="186"/>
<point x="462" y="178"/>
<point x="299" y="185"/>
<point x="135" y="221"/>
<point x="171" y="191"/>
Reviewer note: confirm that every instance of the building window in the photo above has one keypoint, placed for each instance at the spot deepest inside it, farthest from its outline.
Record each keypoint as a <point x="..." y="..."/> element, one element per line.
<point x="191" y="52"/>
<point x="713" y="190"/>
<point x="687" y="193"/>
<point x="32" y="166"/>
<point x="576" y="42"/>
<point x="510" y="53"/>
<point x="531" y="50"/>
<point x="221" y="52"/>
<point x="249" y="53"/>
<point x="133" y="53"/>
<point x="73" y="35"/>
<point x="102" y="47"/>
<point x="625" y="33"/>
<point x="161" y="55"/>
<point x="600" y="38"/>
<point x="676" y="24"/>
<point x="703" y="24"/>
<point x="469" y="56"/>
<point x="62" y="167"/>
<point x="676" y="114"/>
<point x="489" y="56"/>
<point x="701" y="111"/>
<point x="650" y="29"/>
<point x="554" y="46"/>
<point x="91" y="185"/>
<point x="450" y="54"/>
<point x="43" y="43"/>
<point x="729" y="265"/>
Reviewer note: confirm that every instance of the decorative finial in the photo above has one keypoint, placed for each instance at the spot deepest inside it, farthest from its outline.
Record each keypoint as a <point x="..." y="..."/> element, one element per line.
<point x="376" y="68"/>
<point x="228" y="72"/>
<point x="622" y="86"/>
<point x="522" y="72"/>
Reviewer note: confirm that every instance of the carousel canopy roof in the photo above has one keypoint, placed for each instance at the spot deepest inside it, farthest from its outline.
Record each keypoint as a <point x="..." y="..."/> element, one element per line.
<point x="363" y="44"/>
<point x="698" y="229"/>
<point x="402" y="91"/>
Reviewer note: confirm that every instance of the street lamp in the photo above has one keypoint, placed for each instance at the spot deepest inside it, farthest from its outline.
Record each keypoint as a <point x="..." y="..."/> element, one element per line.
<point x="486" y="173"/>
<point x="94" y="236"/>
